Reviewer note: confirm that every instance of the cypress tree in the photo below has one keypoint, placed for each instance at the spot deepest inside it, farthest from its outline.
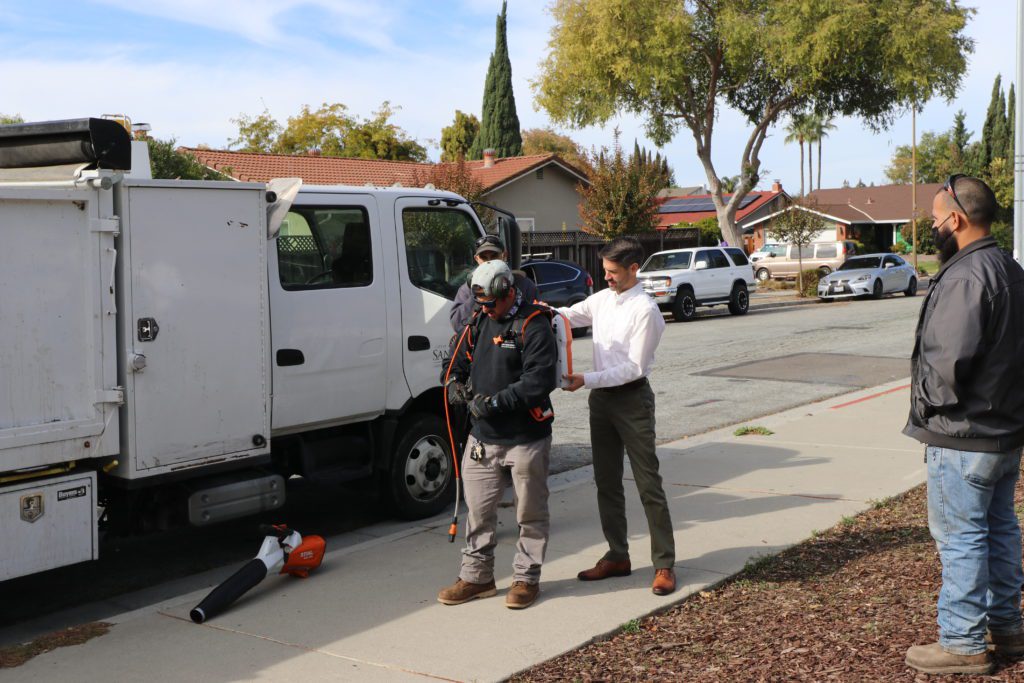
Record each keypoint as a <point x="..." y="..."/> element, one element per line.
<point x="992" y="127"/>
<point x="499" y="125"/>
<point x="1011" y="125"/>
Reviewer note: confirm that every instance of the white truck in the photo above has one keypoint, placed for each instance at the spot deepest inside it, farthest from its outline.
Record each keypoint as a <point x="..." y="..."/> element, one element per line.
<point x="680" y="280"/>
<point x="179" y="349"/>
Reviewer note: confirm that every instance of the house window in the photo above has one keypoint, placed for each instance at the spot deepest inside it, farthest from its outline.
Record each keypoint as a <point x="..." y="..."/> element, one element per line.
<point x="526" y="225"/>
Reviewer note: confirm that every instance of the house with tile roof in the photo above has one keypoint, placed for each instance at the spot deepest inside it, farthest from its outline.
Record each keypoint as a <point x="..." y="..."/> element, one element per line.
<point x="677" y="212"/>
<point x="872" y="216"/>
<point x="541" y="189"/>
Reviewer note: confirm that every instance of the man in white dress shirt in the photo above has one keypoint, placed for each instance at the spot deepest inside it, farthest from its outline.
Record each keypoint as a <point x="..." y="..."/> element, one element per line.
<point x="627" y="327"/>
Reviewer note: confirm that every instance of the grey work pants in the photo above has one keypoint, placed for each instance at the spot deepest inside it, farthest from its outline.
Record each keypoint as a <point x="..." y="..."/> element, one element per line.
<point x="624" y="419"/>
<point x="483" y="484"/>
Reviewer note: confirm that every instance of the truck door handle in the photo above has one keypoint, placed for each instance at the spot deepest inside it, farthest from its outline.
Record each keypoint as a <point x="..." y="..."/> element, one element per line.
<point x="418" y="343"/>
<point x="287" y="357"/>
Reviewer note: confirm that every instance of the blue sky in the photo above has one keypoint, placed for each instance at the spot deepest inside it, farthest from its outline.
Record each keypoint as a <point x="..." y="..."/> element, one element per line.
<point x="188" y="67"/>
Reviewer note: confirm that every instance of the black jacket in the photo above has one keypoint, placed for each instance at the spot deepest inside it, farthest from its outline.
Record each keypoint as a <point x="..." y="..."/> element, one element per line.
<point x="517" y="369"/>
<point x="462" y="308"/>
<point x="968" y="362"/>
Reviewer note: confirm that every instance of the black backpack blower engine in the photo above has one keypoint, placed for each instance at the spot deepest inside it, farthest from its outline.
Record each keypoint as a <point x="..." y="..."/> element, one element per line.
<point x="297" y="555"/>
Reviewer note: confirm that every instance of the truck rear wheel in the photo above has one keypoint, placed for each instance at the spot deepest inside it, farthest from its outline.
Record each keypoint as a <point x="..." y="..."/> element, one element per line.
<point x="420" y="482"/>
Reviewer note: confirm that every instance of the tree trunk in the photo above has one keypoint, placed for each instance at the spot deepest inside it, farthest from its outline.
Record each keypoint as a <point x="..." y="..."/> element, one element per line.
<point x="800" y="271"/>
<point x="810" y="167"/>
<point x="819" y="164"/>
<point x="801" y="167"/>
<point x="726" y="210"/>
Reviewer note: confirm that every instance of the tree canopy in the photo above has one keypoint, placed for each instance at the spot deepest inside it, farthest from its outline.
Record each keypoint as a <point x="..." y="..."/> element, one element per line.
<point x="166" y="162"/>
<point x="547" y="141"/>
<point x="499" y="122"/>
<point x="329" y="131"/>
<point x="675" y="63"/>
<point x="457" y="139"/>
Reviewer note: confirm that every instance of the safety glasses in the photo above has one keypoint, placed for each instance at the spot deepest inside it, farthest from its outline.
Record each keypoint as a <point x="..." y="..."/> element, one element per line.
<point x="950" y="187"/>
<point x="490" y="303"/>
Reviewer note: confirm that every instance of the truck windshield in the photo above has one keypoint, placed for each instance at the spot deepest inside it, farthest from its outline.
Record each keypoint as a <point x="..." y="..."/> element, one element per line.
<point x="679" y="260"/>
<point x="439" y="248"/>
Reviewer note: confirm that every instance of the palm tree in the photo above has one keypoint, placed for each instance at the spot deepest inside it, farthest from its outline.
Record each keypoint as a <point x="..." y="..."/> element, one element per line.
<point x="817" y="127"/>
<point x="796" y="131"/>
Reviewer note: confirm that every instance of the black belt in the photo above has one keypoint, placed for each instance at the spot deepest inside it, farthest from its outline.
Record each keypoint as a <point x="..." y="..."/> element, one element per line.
<point x="635" y="384"/>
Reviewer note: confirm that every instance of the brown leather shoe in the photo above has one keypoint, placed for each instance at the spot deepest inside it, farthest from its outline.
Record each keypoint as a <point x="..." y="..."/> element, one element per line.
<point x="664" y="582"/>
<point x="521" y="595"/>
<point x="1006" y="644"/>
<point x="464" y="591"/>
<point x="932" y="659"/>
<point x="605" y="569"/>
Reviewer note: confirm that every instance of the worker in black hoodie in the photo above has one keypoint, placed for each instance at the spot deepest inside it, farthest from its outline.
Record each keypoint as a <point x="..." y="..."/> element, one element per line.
<point x="505" y="368"/>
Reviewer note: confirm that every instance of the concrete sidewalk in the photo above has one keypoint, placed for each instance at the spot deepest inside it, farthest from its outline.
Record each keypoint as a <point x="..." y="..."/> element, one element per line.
<point x="369" y="614"/>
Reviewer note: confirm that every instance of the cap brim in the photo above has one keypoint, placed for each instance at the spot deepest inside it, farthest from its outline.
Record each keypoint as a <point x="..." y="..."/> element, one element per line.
<point x="486" y="248"/>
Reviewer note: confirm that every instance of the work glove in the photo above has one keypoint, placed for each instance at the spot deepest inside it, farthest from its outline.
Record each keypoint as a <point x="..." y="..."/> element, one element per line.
<point x="482" y="406"/>
<point x="458" y="393"/>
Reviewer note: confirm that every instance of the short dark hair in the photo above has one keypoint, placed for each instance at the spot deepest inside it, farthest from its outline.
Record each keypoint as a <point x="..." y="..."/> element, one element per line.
<point x="975" y="197"/>
<point x="623" y="250"/>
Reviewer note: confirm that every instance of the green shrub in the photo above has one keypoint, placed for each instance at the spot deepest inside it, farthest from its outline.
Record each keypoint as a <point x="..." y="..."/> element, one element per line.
<point x="810" y="282"/>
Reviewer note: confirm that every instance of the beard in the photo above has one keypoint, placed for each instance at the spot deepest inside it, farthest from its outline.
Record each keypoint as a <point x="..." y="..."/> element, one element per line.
<point x="945" y="243"/>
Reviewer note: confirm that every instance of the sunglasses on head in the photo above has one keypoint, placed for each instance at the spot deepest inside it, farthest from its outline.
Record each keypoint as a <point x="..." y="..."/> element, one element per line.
<point x="950" y="187"/>
<point x="488" y="239"/>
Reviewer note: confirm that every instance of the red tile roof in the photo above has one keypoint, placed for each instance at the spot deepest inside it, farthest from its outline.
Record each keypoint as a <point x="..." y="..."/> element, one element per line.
<point x="667" y="220"/>
<point x="318" y="170"/>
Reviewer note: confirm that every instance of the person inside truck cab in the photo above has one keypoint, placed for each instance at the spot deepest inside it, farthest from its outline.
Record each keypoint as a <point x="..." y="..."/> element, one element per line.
<point x="488" y="248"/>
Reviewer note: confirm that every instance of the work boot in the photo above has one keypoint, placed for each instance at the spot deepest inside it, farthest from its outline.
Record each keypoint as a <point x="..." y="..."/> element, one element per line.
<point x="605" y="569"/>
<point x="464" y="591"/>
<point x="521" y="595"/>
<point x="664" y="582"/>
<point x="1006" y="644"/>
<point x="932" y="659"/>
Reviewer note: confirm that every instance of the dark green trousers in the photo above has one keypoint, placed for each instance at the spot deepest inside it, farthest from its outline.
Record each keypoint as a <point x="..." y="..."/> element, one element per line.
<point x="623" y="420"/>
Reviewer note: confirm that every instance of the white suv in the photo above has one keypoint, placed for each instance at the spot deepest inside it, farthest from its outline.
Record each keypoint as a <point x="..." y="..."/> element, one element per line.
<point x="680" y="280"/>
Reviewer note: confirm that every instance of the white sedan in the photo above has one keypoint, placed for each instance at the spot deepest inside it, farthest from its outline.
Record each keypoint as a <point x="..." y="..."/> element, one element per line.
<point x="869" y="275"/>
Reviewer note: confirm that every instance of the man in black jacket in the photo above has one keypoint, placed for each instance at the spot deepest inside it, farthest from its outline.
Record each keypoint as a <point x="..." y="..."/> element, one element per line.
<point x="505" y="367"/>
<point x="488" y="248"/>
<point x="967" y="407"/>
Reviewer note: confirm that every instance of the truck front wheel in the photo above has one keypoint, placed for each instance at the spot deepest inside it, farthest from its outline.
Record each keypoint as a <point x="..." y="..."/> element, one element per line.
<point x="420" y="482"/>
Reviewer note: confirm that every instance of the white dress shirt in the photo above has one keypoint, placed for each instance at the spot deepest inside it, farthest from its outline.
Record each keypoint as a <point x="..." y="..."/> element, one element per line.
<point x="626" y="328"/>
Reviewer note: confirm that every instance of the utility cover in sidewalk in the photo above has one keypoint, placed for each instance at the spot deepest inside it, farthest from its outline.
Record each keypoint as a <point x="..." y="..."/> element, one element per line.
<point x="821" y="368"/>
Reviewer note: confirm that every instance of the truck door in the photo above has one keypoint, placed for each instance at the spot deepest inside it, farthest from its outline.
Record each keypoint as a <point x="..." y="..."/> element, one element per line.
<point x="435" y="257"/>
<point x="327" y="296"/>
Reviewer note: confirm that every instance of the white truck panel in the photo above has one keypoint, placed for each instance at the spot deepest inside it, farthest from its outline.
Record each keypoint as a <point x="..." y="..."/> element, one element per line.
<point x="57" y="326"/>
<point x="195" y="263"/>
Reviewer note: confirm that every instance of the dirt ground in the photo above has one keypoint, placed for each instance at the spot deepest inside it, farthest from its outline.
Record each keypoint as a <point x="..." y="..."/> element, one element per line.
<point x="842" y="606"/>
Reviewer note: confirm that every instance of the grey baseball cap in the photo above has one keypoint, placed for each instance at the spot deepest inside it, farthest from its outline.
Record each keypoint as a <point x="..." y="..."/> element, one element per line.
<point x="489" y="243"/>
<point x="485" y="275"/>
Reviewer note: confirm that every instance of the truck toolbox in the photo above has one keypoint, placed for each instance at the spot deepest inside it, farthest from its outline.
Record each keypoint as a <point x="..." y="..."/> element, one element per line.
<point x="48" y="523"/>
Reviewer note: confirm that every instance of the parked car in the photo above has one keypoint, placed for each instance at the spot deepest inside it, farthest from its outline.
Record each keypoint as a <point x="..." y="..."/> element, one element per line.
<point x="870" y="275"/>
<point x="773" y="248"/>
<point x="824" y="257"/>
<point x="680" y="280"/>
<point x="559" y="283"/>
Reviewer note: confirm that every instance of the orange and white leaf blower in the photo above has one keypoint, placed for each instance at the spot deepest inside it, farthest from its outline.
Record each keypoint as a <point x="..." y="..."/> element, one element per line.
<point x="297" y="555"/>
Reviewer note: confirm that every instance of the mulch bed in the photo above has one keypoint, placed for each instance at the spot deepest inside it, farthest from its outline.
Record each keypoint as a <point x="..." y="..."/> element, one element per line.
<point x="842" y="606"/>
<point x="17" y="655"/>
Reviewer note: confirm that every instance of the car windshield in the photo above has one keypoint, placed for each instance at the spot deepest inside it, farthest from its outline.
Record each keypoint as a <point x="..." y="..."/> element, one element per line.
<point x="862" y="262"/>
<point x="667" y="261"/>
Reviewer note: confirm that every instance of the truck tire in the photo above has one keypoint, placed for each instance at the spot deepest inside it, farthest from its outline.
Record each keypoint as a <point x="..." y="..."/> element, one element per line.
<point x="421" y="480"/>
<point x="739" y="300"/>
<point x="684" y="307"/>
<point x="763" y="275"/>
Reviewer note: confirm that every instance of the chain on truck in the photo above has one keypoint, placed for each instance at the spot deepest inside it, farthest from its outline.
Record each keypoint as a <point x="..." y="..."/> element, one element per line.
<point x="180" y="349"/>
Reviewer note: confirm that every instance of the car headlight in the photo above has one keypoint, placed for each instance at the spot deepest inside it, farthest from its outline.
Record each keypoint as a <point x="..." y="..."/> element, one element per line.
<point x="660" y="282"/>
<point x="863" y="278"/>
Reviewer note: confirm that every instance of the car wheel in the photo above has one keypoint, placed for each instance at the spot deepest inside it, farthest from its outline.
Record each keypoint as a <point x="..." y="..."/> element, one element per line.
<point x="739" y="300"/>
<point x="911" y="289"/>
<point x="763" y="275"/>
<point x="684" y="308"/>
<point x="420" y="482"/>
<point x="824" y="271"/>
<point x="876" y="290"/>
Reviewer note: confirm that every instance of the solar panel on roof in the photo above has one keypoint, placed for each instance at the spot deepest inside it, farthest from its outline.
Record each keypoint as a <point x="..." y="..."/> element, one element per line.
<point x="700" y="204"/>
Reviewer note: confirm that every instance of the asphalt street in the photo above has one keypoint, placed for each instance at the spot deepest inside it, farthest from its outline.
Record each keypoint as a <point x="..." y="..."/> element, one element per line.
<point x="848" y="336"/>
<point x="715" y="371"/>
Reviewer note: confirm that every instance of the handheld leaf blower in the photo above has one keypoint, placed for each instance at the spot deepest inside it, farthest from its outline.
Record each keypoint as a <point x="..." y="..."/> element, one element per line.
<point x="297" y="555"/>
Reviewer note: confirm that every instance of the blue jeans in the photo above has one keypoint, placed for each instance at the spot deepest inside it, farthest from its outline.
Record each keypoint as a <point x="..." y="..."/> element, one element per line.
<point x="971" y="518"/>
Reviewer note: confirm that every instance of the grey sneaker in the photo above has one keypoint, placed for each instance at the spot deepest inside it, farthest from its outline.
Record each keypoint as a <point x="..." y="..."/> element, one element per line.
<point x="521" y="595"/>
<point x="464" y="591"/>
<point x="1006" y="644"/>
<point x="932" y="659"/>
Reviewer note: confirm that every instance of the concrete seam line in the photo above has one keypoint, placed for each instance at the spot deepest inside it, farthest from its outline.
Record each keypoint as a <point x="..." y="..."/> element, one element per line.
<point x="766" y="493"/>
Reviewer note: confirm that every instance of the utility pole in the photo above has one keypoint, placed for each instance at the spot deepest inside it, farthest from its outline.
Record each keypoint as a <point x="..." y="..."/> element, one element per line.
<point x="913" y="177"/>
<point x="1018" y="163"/>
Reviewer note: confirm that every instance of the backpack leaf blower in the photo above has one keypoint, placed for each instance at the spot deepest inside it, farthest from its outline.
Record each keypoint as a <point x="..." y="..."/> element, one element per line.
<point x="297" y="555"/>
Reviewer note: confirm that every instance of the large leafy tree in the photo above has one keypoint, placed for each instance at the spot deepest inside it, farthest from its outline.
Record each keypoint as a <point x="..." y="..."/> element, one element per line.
<point x="499" y="123"/>
<point x="675" y="63"/>
<point x="378" y="138"/>
<point x="937" y="158"/>
<point x="166" y="162"/>
<point x="547" y="141"/>
<point x="457" y="138"/>
<point x="322" y="131"/>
